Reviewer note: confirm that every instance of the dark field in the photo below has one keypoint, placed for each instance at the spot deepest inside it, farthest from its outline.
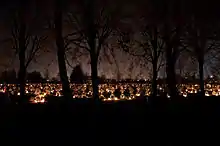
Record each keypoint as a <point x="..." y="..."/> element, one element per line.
<point x="158" y="121"/>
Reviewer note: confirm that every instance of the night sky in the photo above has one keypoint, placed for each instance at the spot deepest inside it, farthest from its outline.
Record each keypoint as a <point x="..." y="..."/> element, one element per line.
<point x="47" y="60"/>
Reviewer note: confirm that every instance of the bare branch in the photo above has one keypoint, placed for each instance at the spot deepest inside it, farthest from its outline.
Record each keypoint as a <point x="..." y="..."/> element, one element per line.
<point x="74" y="56"/>
<point x="67" y="61"/>
<point x="210" y="47"/>
<point x="36" y="46"/>
<point x="78" y="44"/>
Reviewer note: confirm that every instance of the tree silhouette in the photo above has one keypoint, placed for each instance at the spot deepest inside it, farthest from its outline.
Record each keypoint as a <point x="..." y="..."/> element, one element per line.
<point x="46" y="75"/>
<point x="22" y="47"/>
<point x="58" y="21"/>
<point x="171" y="18"/>
<point x="202" y="40"/>
<point x="9" y="76"/>
<point x="93" y="25"/>
<point x="24" y="41"/>
<point x="34" y="77"/>
<point x="54" y="80"/>
<point x="109" y="55"/>
<point x="150" y="49"/>
<point x="147" y="45"/>
<point x="103" y="77"/>
<point x="184" y="63"/>
<point x="77" y="76"/>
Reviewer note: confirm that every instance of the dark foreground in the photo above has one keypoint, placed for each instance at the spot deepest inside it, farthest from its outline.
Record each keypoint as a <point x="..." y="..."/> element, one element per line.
<point x="157" y="122"/>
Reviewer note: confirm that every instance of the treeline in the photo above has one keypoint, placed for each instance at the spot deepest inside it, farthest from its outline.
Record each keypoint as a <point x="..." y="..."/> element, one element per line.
<point x="77" y="76"/>
<point x="157" y="32"/>
<point x="11" y="77"/>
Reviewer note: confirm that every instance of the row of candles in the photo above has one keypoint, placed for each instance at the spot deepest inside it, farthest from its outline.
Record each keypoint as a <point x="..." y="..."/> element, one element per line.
<point x="106" y="91"/>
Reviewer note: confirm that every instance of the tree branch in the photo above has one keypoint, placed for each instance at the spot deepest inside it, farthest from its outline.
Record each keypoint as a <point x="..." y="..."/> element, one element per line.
<point x="36" y="46"/>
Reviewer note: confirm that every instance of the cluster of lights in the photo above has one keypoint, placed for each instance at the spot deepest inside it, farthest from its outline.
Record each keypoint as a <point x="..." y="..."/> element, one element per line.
<point x="106" y="91"/>
<point x="40" y="91"/>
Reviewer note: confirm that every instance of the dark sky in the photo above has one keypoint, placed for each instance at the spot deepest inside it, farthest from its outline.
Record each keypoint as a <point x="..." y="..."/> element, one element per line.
<point x="48" y="60"/>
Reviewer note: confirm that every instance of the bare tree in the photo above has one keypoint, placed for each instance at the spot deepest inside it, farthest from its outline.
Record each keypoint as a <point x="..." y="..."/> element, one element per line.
<point x="93" y="25"/>
<point x="201" y="41"/>
<point x="214" y="63"/>
<point x="109" y="54"/>
<point x="148" y="48"/>
<point x="184" y="63"/>
<point x="171" y="17"/>
<point x="162" y="34"/>
<point x="154" y="52"/>
<point x="61" y="48"/>
<point x="24" y="41"/>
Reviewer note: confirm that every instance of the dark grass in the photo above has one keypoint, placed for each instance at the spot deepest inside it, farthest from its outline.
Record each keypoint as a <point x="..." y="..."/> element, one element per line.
<point x="158" y="121"/>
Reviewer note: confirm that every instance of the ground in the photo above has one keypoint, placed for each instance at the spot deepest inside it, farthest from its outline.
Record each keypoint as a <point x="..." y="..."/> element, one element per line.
<point x="111" y="123"/>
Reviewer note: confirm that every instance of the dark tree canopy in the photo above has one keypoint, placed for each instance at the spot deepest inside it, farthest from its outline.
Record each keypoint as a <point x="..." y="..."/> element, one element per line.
<point x="8" y="76"/>
<point x="77" y="76"/>
<point x="34" y="77"/>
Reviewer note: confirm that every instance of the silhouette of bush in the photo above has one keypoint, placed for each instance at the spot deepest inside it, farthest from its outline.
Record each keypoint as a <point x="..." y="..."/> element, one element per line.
<point x="34" y="77"/>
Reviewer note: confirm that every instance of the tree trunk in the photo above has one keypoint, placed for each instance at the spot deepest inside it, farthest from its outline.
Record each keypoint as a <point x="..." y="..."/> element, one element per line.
<point x="171" y="75"/>
<point x="22" y="72"/>
<point x="94" y="74"/>
<point x="94" y="49"/>
<point x="155" y="61"/>
<point x="22" y="49"/>
<point x="170" y="49"/>
<point x="154" y="80"/>
<point x="61" y="51"/>
<point x="201" y="76"/>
